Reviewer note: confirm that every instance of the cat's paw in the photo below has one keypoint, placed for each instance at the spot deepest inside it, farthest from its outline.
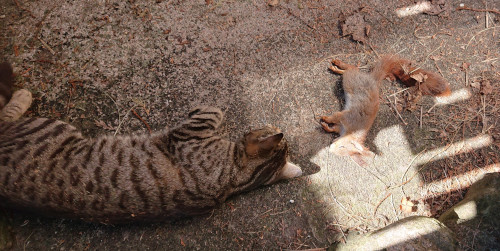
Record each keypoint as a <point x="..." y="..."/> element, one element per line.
<point x="17" y="106"/>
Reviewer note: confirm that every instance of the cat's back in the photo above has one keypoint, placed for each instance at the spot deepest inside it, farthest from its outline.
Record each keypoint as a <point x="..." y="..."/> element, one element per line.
<point x="35" y="136"/>
<point x="46" y="165"/>
<point x="31" y="153"/>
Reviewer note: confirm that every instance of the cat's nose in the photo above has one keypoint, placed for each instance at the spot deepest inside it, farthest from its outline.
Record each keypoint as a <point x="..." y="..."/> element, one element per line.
<point x="290" y="170"/>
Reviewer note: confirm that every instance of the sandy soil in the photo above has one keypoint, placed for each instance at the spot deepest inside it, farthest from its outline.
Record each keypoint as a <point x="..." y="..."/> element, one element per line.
<point x="92" y="62"/>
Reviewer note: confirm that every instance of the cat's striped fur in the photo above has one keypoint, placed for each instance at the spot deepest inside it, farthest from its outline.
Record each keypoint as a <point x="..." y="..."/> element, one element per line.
<point x="47" y="166"/>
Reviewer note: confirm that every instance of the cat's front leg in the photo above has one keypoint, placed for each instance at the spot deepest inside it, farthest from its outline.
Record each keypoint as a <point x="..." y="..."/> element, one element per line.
<point x="17" y="106"/>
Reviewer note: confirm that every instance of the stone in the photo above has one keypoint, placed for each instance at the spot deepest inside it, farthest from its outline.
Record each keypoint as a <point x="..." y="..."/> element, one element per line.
<point x="411" y="233"/>
<point x="476" y="219"/>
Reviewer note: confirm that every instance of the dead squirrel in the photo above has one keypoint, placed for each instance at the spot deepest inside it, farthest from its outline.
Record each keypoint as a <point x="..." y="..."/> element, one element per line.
<point x="362" y="100"/>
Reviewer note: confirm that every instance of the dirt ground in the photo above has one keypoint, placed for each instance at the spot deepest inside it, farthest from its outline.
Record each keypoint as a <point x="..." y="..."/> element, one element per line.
<point x="112" y="66"/>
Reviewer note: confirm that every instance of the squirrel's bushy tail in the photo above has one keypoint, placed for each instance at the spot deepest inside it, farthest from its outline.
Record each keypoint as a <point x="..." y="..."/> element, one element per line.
<point x="385" y="66"/>
<point x="6" y="82"/>
<point x="394" y="67"/>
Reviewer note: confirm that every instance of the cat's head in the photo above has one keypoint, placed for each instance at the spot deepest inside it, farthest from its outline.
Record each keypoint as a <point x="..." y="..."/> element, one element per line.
<point x="265" y="159"/>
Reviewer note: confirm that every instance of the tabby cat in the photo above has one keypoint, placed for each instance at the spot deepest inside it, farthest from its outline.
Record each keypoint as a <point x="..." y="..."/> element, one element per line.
<point x="47" y="166"/>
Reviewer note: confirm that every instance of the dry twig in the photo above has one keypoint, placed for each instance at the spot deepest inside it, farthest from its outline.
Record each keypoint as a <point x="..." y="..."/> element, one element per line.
<point x="46" y="46"/>
<point x="398" y="92"/>
<point x="142" y="120"/>
<point x="22" y="8"/>
<point x="396" y="110"/>
<point x="467" y="46"/>
<point x="479" y="10"/>
<point x="421" y="117"/>
<point x="378" y="205"/>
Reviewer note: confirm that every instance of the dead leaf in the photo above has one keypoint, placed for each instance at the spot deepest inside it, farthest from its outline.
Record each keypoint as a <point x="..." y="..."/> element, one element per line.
<point x="438" y="7"/>
<point x="434" y="130"/>
<point x="273" y="3"/>
<point x="323" y="40"/>
<point x="465" y="66"/>
<point x="103" y="125"/>
<point x="475" y="85"/>
<point x="443" y="134"/>
<point x="406" y="205"/>
<point x="399" y="107"/>
<point x="356" y="26"/>
<point x="435" y="58"/>
<point x="486" y="87"/>
<point x="230" y="206"/>
<point x="299" y="233"/>
<point x="16" y="50"/>
<point x="182" y="243"/>
<point x="419" y="77"/>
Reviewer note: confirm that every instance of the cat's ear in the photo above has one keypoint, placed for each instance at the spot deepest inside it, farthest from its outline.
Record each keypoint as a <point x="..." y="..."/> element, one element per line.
<point x="270" y="142"/>
<point x="262" y="145"/>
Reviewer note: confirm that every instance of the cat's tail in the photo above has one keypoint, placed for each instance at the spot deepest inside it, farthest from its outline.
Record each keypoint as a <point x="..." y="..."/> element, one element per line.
<point x="6" y="82"/>
<point x="394" y="67"/>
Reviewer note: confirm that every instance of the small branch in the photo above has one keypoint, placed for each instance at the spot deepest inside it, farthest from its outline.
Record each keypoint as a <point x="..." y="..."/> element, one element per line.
<point x="300" y="19"/>
<point x="407" y="169"/>
<point x="46" y="46"/>
<point x="485" y="121"/>
<point x="394" y="207"/>
<point x="493" y="27"/>
<point x="378" y="205"/>
<point x="398" y="92"/>
<point x="396" y="110"/>
<point x="340" y="227"/>
<point x="427" y="57"/>
<point x="368" y="170"/>
<point x="421" y="113"/>
<point x="140" y="118"/>
<point x="121" y="121"/>
<point x="479" y="10"/>
<point x="22" y="8"/>
<point x="432" y="107"/>
<point x="373" y="49"/>
<point x="437" y="66"/>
